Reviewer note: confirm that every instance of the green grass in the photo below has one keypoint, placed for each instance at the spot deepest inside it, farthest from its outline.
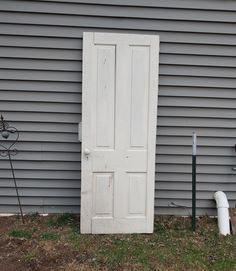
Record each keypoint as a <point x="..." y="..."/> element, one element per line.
<point x="61" y="220"/>
<point x="29" y="256"/>
<point x="20" y="233"/>
<point x="172" y="246"/>
<point x="49" y="236"/>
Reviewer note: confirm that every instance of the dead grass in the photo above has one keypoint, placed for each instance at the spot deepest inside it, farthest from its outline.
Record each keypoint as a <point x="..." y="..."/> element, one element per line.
<point x="54" y="243"/>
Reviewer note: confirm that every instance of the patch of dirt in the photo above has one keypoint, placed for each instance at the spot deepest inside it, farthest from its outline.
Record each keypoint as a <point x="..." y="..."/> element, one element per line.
<point x="26" y="254"/>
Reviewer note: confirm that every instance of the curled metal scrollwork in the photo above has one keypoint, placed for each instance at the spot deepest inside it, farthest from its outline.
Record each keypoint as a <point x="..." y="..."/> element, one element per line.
<point x="4" y="148"/>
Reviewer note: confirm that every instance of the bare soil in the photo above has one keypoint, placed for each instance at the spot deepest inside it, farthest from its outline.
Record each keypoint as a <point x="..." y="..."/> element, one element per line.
<point x="24" y="254"/>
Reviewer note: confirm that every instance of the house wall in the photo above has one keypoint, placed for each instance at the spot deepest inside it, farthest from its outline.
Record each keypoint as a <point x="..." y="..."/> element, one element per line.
<point x="40" y="93"/>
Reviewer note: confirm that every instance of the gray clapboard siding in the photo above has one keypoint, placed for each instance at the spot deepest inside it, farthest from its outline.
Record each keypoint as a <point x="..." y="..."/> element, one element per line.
<point x="176" y="194"/>
<point x="40" y="42"/>
<point x="74" y="32"/>
<point x="40" y="93"/>
<point x="42" y="174"/>
<point x="191" y="61"/>
<point x="52" y="117"/>
<point x="183" y="186"/>
<point x="202" y="150"/>
<point x="166" y="61"/>
<point x="75" y="76"/>
<point x="209" y="132"/>
<point x="132" y="12"/>
<point x="57" y="160"/>
<point x="40" y="86"/>
<point x="196" y="122"/>
<point x="202" y="141"/>
<point x="40" y="75"/>
<point x="125" y="23"/>
<point x="33" y="136"/>
<point x="179" y="168"/>
<point x="202" y="160"/>
<point x="198" y="102"/>
<point x="184" y="4"/>
<point x="38" y="96"/>
<point x="42" y="208"/>
<point x="39" y="53"/>
<point x="41" y="201"/>
<point x="194" y="113"/>
<point x="209" y="179"/>
<point x="47" y="127"/>
<point x="49" y="146"/>
<point x="216" y="92"/>
<point x="24" y="183"/>
<point x="38" y="64"/>
<point x="39" y="106"/>
<point x="188" y="81"/>
<point x="41" y="192"/>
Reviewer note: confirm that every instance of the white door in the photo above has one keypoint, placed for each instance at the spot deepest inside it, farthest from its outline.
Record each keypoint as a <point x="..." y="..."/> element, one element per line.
<point x="119" y="111"/>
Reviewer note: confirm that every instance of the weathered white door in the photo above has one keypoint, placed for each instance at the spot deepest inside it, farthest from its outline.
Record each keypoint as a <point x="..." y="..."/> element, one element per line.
<point x="119" y="111"/>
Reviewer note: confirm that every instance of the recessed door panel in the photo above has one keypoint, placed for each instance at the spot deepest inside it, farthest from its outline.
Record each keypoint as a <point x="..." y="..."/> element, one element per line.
<point x="139" y="96"/>
<point x="103" y="194"/>
<point x="105" y="97"/>
<point x="137" y="194"/>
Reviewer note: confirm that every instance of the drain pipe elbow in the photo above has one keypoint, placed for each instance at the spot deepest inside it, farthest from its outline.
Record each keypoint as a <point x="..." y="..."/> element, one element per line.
<point x="222" y="205"/>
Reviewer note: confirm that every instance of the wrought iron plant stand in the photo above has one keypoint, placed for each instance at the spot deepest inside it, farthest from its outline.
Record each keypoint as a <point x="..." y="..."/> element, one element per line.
<point x="8" y="150"/>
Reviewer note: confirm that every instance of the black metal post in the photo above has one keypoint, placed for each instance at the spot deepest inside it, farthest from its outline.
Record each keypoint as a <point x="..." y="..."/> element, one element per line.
<point x="194" y="154"/>
<point x="16" y="187"/>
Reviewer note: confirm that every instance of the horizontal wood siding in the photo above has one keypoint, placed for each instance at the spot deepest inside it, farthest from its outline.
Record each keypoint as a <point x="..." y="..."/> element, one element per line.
<point x="40" y="93"/>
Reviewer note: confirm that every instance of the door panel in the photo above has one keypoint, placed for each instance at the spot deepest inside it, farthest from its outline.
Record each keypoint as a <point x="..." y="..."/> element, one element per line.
<point x="137" y="193"/>
<point x="105" y="97"/>
<point x="120" y="83"/>
<point x="103" y="194"/>
<point x="139" y="97"/>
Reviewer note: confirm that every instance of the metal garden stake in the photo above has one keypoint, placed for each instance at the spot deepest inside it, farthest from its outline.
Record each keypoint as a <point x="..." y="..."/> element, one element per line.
<point x="8" y="150"/>
<point x="194" y="153"/>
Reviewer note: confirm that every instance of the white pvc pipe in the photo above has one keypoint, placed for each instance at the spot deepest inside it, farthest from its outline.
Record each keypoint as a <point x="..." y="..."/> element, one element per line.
<point x="222" y="212"/>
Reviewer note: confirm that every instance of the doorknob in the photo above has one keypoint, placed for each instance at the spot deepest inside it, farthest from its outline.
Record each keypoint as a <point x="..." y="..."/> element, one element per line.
<point x="86" y="151"/>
